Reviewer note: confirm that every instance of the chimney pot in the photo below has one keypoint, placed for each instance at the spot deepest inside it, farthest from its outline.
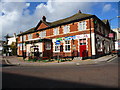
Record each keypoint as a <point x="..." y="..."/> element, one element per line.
<point x="44" y="18"/>
<point x="79" y="11"/>
<point x="20" y="31"/>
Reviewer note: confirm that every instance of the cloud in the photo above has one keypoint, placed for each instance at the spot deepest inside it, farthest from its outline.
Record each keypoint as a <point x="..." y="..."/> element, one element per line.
<point x="17" y="16"/>
<point x="107" y="7"/>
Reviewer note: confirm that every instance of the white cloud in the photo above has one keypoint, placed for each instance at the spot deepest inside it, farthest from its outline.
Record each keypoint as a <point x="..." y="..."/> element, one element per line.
<point x="27" y="4"/>
<point x="17" y="16"/>
<point x="107" y="7"/>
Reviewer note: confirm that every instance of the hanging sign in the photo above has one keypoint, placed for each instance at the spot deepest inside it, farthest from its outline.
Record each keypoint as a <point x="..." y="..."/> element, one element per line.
<point x="111" y="35"/>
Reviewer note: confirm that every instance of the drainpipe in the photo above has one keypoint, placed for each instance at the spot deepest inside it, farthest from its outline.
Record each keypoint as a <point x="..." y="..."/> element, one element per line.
<point x="22" y="48"/>
<point x="90" y="37"/>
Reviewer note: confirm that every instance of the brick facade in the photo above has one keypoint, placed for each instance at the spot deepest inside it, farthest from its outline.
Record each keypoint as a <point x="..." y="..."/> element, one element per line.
<point x="74" y="47"/>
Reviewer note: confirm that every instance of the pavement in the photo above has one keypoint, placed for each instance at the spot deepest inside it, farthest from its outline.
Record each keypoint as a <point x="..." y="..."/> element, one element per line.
<point x="14" y="60"/>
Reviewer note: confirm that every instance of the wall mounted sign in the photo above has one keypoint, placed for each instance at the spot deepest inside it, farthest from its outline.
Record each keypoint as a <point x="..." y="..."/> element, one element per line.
<point x="59" y="39"/>
<point x="70" y="38"/>
<point x="57" y="42"/>
<point x="82" y="36"/>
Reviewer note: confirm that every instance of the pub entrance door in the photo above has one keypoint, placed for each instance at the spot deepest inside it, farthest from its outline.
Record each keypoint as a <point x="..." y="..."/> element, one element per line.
<point x="47" y="52"/>
<point x="82" y="48"/>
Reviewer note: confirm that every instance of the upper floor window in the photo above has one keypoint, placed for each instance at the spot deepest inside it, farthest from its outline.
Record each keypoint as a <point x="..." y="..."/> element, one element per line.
<point x="66" y="29"/>
<point x="82" y="25"/>
<point x="43" y="34"/>
<point x="29" y="36"/>
<point x="20" y="38"/>
<point x="56" y="31"/>
<point x="24" y="37"/>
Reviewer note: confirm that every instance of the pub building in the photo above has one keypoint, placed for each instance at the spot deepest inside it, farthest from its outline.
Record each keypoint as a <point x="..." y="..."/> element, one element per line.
<point x="80" y="35"/>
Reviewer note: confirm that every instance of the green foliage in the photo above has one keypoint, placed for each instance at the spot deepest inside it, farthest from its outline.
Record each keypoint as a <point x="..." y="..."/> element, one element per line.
<point x="13" y="48"/>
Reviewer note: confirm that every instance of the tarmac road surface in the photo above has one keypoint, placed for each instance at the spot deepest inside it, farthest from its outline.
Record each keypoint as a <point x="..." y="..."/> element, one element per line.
<point x="104" y="75"/>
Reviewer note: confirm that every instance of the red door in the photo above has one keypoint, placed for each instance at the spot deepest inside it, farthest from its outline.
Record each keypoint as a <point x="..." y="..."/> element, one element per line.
<point x="83" y="51"/>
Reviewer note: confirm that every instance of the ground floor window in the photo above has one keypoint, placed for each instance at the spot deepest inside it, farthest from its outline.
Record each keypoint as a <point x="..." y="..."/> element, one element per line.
<point x="99" y="44"/>
<point x="57" y="47"/>
<point x="82" y="41"/>
<point x="67" y="45"/>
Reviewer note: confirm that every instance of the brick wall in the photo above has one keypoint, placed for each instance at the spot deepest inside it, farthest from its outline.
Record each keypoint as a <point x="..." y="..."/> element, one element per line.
<point x="89" y="48"/>
<point x="42" y="25"/>
<point x="73" y="31"/>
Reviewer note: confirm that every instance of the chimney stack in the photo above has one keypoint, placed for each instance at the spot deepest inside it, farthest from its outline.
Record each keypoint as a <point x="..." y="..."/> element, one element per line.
<point x="15" y="34"/>
<point x="20" y="31"/>
<point x="44" y="18"/>
<point x="79" y="11"/>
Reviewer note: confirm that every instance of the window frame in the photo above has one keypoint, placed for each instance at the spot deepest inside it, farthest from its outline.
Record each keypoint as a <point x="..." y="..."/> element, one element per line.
<point x="66" y="45"/>
<point x="56" y="45"/>
<point x="56" y="30"/>
<point x="20" y="38"/>
<point x="66" y="29"/>
<point x="82" y="25"/>
<point x="42" y="34"/>
<point x="30" y="36"/>
<point x="24" y="38"/>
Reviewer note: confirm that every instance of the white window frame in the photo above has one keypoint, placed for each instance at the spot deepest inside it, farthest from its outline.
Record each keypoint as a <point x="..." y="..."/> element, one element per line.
<point x="20" y="38"/>
<point x="56" y="31"/>
<point x="24" y="47"/>
<point x="82" y="25"/>
<point x="67" y="45"/>
<point x="29" y="36"/>
<point x="66" y="29"/>
<point x="58" y="46"/>
<point x="43" y="34"/>
<point x="24" y="37"/>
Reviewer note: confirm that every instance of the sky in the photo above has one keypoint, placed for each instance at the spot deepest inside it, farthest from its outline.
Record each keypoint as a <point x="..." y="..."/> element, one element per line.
<point x="22" y="15"/>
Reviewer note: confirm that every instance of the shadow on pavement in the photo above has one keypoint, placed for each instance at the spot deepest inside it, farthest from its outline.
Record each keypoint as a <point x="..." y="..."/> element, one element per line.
<point x="20" y="81"/>
<point x="6" y="65"/>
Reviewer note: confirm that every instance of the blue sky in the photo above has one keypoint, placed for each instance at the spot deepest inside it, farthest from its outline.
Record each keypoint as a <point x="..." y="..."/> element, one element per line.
<point x="21" y="16"/>
<point x="97" y="9"/>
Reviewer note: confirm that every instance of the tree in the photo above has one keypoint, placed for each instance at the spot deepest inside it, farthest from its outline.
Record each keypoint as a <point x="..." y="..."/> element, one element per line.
<point x="13" y="48"/>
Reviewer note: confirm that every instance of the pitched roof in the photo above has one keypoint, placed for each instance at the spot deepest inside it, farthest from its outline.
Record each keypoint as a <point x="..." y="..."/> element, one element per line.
<point x="105" y="21"/>
<point x="76" y="16"/>
<point x="28" y="31"/>
<point x="72" y="18"/>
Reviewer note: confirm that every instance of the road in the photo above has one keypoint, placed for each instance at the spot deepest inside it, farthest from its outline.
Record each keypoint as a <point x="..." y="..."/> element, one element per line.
<point x="102" y="75"/>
